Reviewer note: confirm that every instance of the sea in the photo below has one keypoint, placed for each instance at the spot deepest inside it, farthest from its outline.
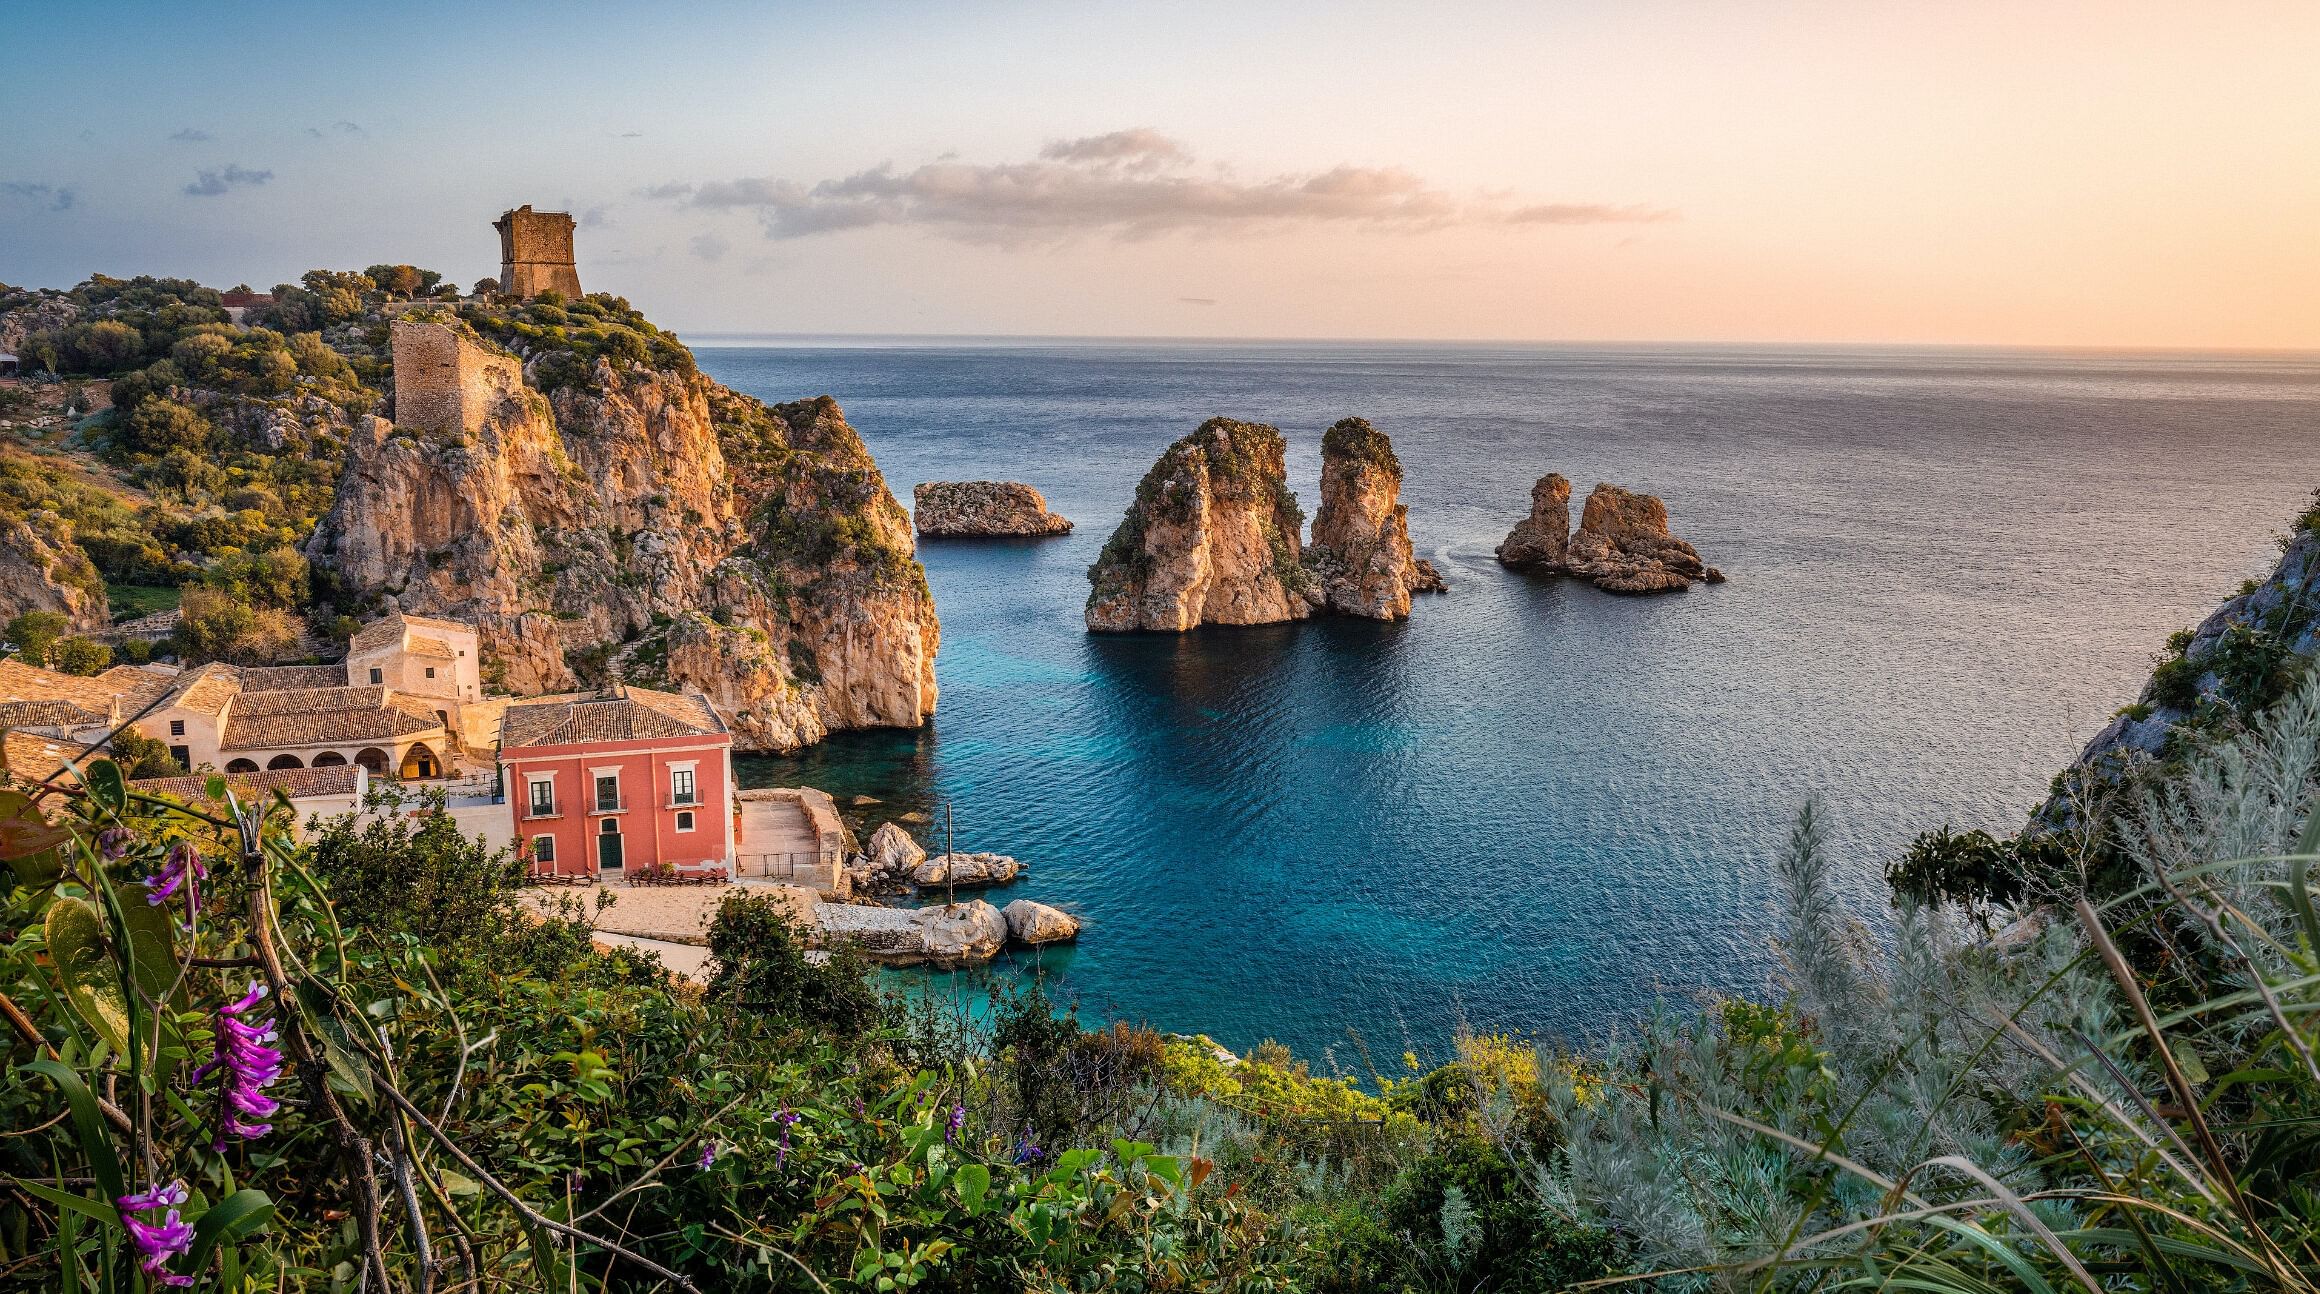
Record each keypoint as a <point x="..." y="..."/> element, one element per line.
<point x="1534" y="807"/>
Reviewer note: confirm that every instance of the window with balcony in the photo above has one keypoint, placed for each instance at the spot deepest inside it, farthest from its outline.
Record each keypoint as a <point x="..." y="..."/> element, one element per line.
<point x="681" y="786"/>
<point x="543" y="798"/>
<point x="608" y="793"/>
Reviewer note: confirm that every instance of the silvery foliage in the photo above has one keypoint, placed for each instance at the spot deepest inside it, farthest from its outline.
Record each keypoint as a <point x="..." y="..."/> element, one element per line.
<point x="1920" y="1036"/>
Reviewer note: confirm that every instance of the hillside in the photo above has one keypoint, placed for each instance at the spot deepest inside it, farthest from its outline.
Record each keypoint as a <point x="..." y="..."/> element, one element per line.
<point x="610" y="512"/>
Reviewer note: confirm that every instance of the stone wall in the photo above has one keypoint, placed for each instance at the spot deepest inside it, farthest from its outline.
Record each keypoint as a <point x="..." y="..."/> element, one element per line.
<point x="535" y="253"/>
<point x="446" y="383"/>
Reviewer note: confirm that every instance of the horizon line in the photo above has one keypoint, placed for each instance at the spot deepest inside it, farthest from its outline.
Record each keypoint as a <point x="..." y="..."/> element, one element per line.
<point x="711" y="337"/>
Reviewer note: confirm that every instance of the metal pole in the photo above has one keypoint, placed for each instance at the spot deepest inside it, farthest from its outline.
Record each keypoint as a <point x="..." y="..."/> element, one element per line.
<point x="950" y="857"/>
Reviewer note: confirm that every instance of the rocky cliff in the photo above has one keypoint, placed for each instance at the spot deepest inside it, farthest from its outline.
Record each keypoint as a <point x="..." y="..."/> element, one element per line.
<point x="983" y="509"/>
<point x="1361" y="554"/>
<point x="42" y="569"/>
<point x="1212" y="538"/>
<point x="618" y="514"/>
<point x="2214" y="679"/>
<point x="1622" y="544"/>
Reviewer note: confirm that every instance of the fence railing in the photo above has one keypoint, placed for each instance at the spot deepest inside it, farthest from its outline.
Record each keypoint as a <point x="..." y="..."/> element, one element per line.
<point x="815" y="867"/>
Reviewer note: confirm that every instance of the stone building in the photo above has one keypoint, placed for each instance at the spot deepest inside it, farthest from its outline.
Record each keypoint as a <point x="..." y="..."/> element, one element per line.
<point x="535" y="253"/>
<point x="445" y="383"/>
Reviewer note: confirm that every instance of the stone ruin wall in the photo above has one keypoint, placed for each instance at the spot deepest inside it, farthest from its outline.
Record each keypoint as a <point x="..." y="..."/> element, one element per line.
<point x="446" y="383"/>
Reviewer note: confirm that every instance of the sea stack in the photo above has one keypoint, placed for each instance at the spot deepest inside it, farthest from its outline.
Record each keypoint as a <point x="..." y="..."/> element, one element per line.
<point x="1361" y="553"/>
<point x="983" y="510"/>
<point x="1622" y="544"/>
<point x="1212" y="538"/>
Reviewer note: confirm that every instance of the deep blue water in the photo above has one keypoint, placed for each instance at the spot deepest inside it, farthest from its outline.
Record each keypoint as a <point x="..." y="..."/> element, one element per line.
<point x="1536" y="806"/>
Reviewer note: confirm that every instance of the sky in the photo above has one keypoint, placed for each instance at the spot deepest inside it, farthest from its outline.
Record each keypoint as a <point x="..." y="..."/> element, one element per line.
<point x="2047" y="174"/>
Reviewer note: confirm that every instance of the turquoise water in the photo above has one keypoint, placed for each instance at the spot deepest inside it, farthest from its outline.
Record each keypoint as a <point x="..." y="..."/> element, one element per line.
<point x="1533" y="805"/>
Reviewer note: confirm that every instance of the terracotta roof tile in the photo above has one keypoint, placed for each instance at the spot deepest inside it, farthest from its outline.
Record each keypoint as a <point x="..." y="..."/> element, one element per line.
<point x="313" y="716"/>
<point x="274" y="678"/>
<point x="639" y="715"/>
<point x="208" y="689"/>
<point x="337" y="780"/>
<point x="32" y="759"/>
<point x="22" y="682"/>
<point x="46" y="714"/>
<point x="388" y="631"/>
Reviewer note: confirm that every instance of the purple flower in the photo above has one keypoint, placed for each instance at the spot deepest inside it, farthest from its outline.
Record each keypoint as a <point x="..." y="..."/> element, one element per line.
<point x="786" y="1119"/>
<point x="708" y="1155"/>
<point x="952" y="1124"/>
<point x="251" y="1063"/>
<point x="114" y="842"/>
<point x="181" y="866"/>
<point x="158" y="1241"/>
<point x="1026" y="1150"/>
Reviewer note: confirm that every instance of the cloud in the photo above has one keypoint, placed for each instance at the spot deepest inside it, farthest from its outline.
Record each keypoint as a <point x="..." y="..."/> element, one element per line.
<point x="336" y="128"/>
<point x="191" y="135"/>
<point x="49" y="196"/>
<point x="592" y="218"/>
<point x="709" y="247"/>
<point x="1126" y="184"/>
<point x="210" y="184"/>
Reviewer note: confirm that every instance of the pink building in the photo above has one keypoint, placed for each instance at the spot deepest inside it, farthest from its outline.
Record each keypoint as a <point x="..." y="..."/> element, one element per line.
<point x="604" y="783"/>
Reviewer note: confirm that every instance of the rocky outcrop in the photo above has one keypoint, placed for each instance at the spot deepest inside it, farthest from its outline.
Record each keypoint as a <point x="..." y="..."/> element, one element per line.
<point x="1034" y="923"/>
<point x="646" y="523"/>
<point x="982" y="510"/>
<point x="966" y="870"/>
<point x="1361" y="554"/>
<point x="892" y="851"/>
<point x="2216" y="678"/>
<point x="42" y="569"/>
<point x="1211" y="539"/>
<point x="1622" y="544"/>
<point x="1541" y="540"/>
<point x="961" y="933"/>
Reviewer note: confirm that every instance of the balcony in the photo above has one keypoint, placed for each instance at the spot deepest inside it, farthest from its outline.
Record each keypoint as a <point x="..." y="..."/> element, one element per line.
<point x="609" y="804"/>
<point x="535" y="810"/>
<point x="684" y="802"/>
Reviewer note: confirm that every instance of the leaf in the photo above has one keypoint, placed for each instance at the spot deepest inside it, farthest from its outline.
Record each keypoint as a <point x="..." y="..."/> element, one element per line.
<point x="24" y="833"/>
<point x="106" y="785"/>
<point x="95" y="1138"/>
<point x="458" y="1183"/>
<point x="226" y="1222"/>
<point x="92" y="984"/>
<point x="973" y="1182"/>
<point x="100" y="1210"/>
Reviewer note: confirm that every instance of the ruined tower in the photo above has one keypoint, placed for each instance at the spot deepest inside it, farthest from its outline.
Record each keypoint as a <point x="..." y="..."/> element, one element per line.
<point x="535" y="253"/>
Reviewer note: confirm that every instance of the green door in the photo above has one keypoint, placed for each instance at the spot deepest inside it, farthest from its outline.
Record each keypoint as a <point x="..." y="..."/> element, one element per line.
<point x="608" y="851"/>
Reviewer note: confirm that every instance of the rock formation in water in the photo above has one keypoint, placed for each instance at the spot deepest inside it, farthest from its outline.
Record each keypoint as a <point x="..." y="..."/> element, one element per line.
<point x="1034" y="923"/>
<point x="1541" y="540"/>
<point x="965" y="871"/>
<point x="1622" y="544"/>
<point x="1212" y="538"/>
<point x="1361" y="554"/>
<point x="983" y="509"/>
<point x="601" y="517"/>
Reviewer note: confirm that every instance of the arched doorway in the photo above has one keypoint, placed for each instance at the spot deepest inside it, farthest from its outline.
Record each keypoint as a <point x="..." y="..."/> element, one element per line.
<point x="241" y="766"/>
<point x="285" y="761"/>
<point x="608" y="856"/>
<point x="419" y="762"/>
<point x="372" y="758"/>
<point x="329" y="759"/>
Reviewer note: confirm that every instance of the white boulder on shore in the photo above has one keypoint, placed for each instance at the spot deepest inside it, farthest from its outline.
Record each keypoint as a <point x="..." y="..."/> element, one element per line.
<point x="1034" y="923"/>
<point x="974" y="870"/>
<point x="960" y="933"/>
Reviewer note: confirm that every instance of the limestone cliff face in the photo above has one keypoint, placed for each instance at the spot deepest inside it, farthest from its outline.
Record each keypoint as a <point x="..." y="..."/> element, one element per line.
<point x="1212" y="538"/>
<point x="1361" y="552"/>
<point x="1541" y="540"/>
<point x="647" y="524"/>
<point x="1622" y="544"/>
<point x="42" y="569"/>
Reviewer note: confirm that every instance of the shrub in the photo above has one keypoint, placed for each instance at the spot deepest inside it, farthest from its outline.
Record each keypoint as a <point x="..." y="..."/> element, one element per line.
<point x="83" y="656"/>
<point x="759" y="964"/>
<point x="35" y="633"/>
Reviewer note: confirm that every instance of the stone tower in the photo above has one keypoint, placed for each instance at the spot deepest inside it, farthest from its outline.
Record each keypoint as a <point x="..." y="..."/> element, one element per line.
<point x="535" y="253"/>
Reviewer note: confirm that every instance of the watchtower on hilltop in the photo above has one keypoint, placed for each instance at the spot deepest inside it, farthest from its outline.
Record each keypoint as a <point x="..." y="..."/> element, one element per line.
<point x="535" y="253"/>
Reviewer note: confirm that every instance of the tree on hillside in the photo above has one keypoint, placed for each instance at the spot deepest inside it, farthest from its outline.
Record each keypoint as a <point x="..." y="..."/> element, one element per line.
<point x="83" y="656"/>
<point x="35" y="633"/>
